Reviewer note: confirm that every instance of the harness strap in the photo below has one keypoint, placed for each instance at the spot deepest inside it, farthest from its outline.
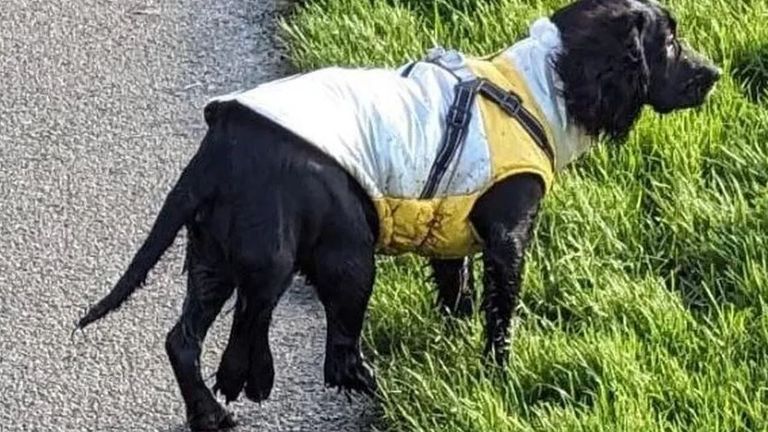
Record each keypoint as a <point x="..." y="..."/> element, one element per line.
<point x="513" y="106"/>
<point x="456" y="124"/>
<point x="460" y="114"/>
<point x="408" y="69"/>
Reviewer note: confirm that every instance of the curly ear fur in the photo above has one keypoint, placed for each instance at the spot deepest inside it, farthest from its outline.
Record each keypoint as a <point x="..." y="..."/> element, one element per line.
<point x="603" y="64"/>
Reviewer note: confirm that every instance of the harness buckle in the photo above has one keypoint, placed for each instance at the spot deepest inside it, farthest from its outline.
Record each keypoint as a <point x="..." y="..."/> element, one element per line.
<point x="508" y="101"/>
<point x="511" y="103"/>
<point x="457" y="116"/>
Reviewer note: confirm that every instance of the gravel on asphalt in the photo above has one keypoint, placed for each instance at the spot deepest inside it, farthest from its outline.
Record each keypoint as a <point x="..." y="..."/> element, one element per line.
<point x="100" y="108"/>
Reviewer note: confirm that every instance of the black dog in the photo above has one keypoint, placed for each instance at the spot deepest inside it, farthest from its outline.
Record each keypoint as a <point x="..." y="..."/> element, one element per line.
<point x="259" y="205"/>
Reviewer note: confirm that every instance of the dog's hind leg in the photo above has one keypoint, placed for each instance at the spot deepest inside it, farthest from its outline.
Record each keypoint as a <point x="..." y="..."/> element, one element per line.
<point x="208" y="289"/>
<point x="343" y="275"/>
<point x="455" y="285"/>
<point x="247" y="360"/>
<point x="261" y="371"/>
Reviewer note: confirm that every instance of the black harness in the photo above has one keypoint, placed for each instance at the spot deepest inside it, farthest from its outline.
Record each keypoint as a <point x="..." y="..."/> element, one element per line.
<point x="460" y="114"/>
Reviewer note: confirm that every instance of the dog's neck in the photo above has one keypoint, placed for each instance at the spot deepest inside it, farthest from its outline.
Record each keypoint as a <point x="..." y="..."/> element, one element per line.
<point x="534" y="57"/>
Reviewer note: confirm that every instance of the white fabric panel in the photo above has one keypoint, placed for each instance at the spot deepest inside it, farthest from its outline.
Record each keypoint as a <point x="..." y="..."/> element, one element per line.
<point x="386" y="129"/>
<point x="534" y="58"/>
<point x="383" y="128"/>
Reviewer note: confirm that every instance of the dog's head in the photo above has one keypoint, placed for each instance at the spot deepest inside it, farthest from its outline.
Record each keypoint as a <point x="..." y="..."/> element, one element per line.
<point x="619" y="55"/>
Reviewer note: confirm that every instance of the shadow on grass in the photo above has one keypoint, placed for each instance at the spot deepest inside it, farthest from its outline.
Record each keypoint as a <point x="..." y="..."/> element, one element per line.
<point x="441" y="10"/>
<point x="565" y="385"/>
<point x="455" y="14"/>
<point x="750" y="70"/>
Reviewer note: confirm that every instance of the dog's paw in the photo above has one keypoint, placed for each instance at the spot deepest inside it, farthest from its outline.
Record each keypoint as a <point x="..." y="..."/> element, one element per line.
<point x="261" y="378"/>
<point x="496" y="356"/>
<point x="462" y="309"/>
<point x="351" y="373"/>
<point x="230" y="388"/>
<point x="230" y="378"/>
<point x="211" y="418"/>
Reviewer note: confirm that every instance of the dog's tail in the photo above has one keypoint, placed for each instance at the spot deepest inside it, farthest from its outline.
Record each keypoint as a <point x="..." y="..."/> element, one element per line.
<point x="197" y="184"/>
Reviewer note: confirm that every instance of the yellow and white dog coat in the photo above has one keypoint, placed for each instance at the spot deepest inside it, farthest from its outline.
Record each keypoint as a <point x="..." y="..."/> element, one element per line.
<point x="389" y="129"/>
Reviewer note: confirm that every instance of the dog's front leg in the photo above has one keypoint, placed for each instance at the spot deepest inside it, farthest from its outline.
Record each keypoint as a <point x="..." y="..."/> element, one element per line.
<point x="504" y="218"/>
<point x="504" y="260"/>
<point x="455" y="285"/>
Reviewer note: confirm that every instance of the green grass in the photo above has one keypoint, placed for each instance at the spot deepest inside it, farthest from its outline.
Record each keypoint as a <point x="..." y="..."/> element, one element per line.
<point x="644" y="305"/>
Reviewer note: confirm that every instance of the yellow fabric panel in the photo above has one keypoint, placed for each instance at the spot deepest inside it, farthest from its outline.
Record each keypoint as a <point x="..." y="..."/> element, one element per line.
<point x="512" y="149"/>
<point x="437" y="227"/>
<point x="440" y="227"/>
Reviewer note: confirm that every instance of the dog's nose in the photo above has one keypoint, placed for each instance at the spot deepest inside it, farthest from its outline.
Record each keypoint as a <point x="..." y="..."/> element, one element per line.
<point x="717" y="73"/>
<point x="708" y="75"/>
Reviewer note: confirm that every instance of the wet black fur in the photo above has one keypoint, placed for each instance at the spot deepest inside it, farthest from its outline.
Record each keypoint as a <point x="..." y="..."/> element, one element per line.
<point x="260" y="205"/>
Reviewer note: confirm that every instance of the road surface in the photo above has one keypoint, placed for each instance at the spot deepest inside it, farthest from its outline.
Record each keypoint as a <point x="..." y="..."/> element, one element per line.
<point x="100" y="108"/>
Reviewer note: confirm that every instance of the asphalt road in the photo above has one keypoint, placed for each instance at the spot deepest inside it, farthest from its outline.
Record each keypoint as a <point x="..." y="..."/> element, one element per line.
<point x="100" y="108"/>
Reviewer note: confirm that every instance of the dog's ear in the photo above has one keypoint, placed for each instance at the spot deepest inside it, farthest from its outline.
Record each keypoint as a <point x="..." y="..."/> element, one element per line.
<point x="603" y="65"/>
<point x="624" y="84"/>
<point x="636" y="49"/>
